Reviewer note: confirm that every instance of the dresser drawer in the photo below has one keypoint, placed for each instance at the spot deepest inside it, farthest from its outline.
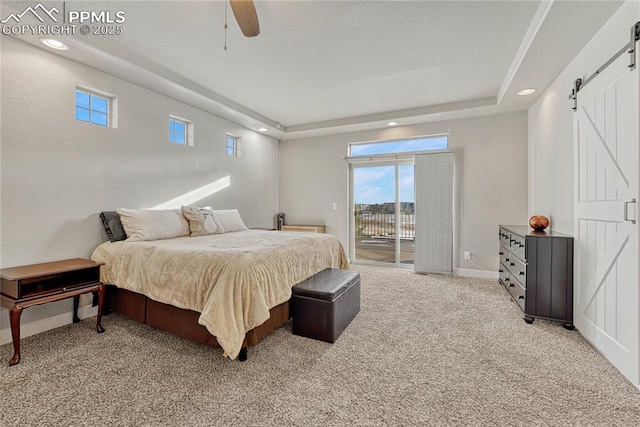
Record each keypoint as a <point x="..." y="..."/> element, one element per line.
<point x="503" y="274"/>
<point x="517" y="292"/>
<point x="518" y="269"/>
<point x="506" y="256"/>
<point x="514" y="287"/>
<point x="517" y="245"/>
<point x="502" y="252"/>
<point x="504" y="237"/>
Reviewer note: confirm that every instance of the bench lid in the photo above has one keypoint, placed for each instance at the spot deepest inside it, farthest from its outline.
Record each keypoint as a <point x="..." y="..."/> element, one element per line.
<point x="326" y="285"/>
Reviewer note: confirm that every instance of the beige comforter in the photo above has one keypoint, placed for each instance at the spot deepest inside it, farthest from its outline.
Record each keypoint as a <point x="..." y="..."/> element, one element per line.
<point x="232" y="279"/>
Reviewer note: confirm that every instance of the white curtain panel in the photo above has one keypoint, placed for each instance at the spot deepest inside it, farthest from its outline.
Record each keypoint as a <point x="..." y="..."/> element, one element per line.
<point x="434" y="213"/>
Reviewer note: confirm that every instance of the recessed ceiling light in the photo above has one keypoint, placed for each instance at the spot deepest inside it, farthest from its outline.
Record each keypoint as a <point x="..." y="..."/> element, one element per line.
<point x="263" y="129"/>
<point x="54" y="44"/>
<point x="527" y="91"/>
<point x="392" y="123"/>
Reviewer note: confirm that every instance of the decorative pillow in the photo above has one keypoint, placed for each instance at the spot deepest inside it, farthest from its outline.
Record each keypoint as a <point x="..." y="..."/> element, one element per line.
<point x="202" y="221"/>
<point x="113" y="226"/>
<point x="153" y="224"/>
<point x="230" y="220"/>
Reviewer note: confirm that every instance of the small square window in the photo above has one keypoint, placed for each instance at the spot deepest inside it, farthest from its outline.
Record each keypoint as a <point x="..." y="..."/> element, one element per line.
<point x="180" y="131"/>
<point x="92" y="108"/>
<point x="233" y="145"/>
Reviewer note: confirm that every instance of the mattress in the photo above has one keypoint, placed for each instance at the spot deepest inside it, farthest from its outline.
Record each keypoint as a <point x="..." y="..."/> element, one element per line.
<point x="231" y="279"/>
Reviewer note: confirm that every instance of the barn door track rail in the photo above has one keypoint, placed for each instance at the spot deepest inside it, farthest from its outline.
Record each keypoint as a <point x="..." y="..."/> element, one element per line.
<point x="629" y="48"/>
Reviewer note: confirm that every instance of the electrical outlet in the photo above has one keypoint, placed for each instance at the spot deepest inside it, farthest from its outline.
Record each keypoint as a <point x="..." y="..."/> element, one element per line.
<point x="467" y="255"/>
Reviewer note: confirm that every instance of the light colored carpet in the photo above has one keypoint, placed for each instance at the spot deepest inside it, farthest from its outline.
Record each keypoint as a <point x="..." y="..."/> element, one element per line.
<point x="424" y="350"/>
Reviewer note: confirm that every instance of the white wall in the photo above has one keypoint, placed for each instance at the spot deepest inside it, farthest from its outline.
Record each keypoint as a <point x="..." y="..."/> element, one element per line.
<point x="57" y="173"/>
<point x="491" y="172"/>
<point x="551" y="123"/>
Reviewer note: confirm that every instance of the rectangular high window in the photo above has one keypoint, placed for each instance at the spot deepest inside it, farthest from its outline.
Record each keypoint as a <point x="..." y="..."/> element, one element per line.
<point x="402" y="146"/>
<point x="233" y="145"/>
<point x="177" y="131"/>
<point x="93" y="108"/>
<point x="180" y="131"/>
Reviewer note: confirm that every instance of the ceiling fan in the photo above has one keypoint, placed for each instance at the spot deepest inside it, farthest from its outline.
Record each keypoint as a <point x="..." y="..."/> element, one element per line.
<point x="245" y="13"/>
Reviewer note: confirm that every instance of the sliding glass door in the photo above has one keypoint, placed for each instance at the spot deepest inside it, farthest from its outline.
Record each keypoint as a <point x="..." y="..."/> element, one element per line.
<point x="383" y="225"/>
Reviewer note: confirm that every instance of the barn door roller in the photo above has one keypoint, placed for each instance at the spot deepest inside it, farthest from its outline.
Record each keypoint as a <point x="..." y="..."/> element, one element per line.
<point x="635" y="36"/>
<point x="629" y="48"/>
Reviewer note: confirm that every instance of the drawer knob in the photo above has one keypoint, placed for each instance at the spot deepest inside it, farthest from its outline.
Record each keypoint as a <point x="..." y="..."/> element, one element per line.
<point x="506" y="259"/>
<point x="512" y="264"/>
<point x="520" y="296"/>
<point x="511" y="285"/>
<point x="521" y="273"/>
<point x="500" y="253"/>
<point x="500" y="271"/>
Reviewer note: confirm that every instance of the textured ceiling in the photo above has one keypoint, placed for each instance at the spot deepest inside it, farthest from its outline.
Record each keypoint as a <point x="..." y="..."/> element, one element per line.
<point x="318" y="61"/>
<point x="323" y="60"/>
<point x="325" y="64"/>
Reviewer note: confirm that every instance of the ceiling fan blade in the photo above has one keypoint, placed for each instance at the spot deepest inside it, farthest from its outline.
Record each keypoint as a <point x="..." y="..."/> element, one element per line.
<point x="245" y="13"/>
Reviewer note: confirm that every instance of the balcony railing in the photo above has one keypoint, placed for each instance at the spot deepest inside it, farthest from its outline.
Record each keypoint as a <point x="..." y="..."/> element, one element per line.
<point x="384" y="225"/>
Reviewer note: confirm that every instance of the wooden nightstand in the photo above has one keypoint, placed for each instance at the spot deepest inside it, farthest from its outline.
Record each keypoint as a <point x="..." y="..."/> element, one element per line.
<point x="305" y="228"/>
<point x="29" y="285"/>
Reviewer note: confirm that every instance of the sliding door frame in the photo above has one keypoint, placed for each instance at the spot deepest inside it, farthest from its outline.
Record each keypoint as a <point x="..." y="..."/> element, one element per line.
<point x="408" y="160"/>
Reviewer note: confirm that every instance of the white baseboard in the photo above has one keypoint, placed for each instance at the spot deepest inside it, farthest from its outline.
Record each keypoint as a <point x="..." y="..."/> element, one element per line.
<point x="42" y="325"/>
<point x="466" y="272"/>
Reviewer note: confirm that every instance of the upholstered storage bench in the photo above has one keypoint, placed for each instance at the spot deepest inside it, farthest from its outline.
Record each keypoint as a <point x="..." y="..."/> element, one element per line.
<point x="323" y="305"/>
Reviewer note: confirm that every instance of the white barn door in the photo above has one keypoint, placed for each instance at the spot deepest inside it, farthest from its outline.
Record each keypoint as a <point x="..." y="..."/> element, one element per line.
<point x="606" y="288"/>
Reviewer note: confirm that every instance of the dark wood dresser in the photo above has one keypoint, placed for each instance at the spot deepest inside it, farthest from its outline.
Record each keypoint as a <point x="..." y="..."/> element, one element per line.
<point x="536" y="267"/>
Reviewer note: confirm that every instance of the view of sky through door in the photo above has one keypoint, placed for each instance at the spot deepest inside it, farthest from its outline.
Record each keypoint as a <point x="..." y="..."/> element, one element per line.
<point x="374" y="189"/>
<point x="384" y="224"/>
<point x="383" y="194"/>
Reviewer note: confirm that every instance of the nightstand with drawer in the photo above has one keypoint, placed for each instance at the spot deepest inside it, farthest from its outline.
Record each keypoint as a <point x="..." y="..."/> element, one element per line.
<point x="536" y="268"/>
<point x="26" y="286"/>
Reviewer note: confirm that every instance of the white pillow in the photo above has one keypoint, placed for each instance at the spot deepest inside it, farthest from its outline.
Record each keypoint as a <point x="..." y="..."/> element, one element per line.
<point x="153" y="224"/>
<point x="202" y="221"/>
<point x="230" y="220"/>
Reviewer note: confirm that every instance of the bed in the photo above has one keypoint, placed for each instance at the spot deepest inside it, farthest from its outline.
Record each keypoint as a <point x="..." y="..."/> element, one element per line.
<point x="224" y="290"/>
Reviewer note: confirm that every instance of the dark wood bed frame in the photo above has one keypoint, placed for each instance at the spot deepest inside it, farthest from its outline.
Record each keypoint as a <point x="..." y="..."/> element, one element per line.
<point x="182" y="322"/>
